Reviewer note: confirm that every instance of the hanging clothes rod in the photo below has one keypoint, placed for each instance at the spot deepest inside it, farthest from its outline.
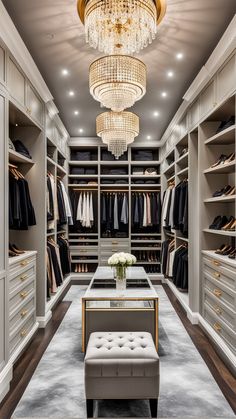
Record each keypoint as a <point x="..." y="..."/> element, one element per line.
<point x="114" y="191"/>
<point x="84" y="189"/>
<point x="146" y="190"/>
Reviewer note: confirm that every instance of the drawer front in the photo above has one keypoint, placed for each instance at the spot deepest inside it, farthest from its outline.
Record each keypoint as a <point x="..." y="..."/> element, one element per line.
<point x="22" y="277"/>
<point x="221" y="329"/>
<point x="21" y="335"/>
<point x="220" y="309"/>
<point x="23" y="264"/>
<point x="223" y="273"/>
<point x="18" y="317"/>
<point x="223" y="293"/>
<point x="16" y="298"/>
<point x="83" y="251"/>
<point x="113" y="243"/>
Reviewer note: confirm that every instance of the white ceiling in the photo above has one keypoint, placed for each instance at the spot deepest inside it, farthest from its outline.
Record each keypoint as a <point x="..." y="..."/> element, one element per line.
<point x="54" y="35"/>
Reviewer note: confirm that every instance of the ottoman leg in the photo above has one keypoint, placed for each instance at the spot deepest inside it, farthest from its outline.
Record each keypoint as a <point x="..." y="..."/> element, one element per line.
<point x="153" y="407"/>
<point x="89" y="406"/>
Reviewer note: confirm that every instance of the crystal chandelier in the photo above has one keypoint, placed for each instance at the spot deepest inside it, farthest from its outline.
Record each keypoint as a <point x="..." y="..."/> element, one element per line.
<point x="121" y="26"/>
<point x="117" y="130"/>
<point x="117" y="81"/>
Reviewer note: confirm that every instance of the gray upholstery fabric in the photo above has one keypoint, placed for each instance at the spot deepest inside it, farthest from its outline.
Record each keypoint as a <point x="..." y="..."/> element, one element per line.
<point x="121" y="365"/>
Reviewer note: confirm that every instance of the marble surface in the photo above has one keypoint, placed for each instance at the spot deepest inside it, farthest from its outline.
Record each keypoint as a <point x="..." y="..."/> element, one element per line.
<point x="187" y="388"/>
<point x="105" y="272"/>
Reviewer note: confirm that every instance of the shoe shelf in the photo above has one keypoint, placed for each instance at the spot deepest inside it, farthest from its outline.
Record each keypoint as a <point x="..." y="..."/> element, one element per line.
<point x="183" y="160"/>
<point x="145" y="241"/>
<point x="229" y="198"/>
<point x="220" y="232"/>
<point x="182" y="172"/>
<point x="15" y="157"/>
<point x="222" y="168"/>
<point x="170" y="169"/>
<point x="222" y="138"/>
<point x="220" y="258"/>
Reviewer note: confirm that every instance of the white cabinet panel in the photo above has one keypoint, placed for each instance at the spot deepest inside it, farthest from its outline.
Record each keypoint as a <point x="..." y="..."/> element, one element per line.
<point x="3" y="183"/>
<point x="34" y="105"/>
<point x="2" y="323"/>
<point x="49" y="128"/>
<point x="194" y="114"/>
<point x="17" y="83"/>
<point x="2" y="65"/>
<point x="207" y="99"/>
<point x="226" y="79"/>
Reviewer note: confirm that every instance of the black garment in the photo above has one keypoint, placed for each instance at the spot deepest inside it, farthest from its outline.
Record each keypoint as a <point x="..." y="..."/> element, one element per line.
<point x="64" y="255"/>
<point x="55" y="263"/>
<point x="137" y="210"/>
<point x="180" y="268"/>
<point x="180" y="208"/>
<point x="50" y="213"/>
<point x="61" y="205"/>
<point x="21" y="210"/>
<point x="20" y="148"/>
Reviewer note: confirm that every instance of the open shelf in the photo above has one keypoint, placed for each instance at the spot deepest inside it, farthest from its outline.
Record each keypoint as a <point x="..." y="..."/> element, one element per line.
<point x="169" y="169"/>
<point x="181" y="160"/>
<point x="230" y="198"/>
<point x="224" y="137"/>
<point x="15" y="157"/>
<point x="222" y="168"/>
<point x="182" y="172"/>
<point x="220" y="232"/>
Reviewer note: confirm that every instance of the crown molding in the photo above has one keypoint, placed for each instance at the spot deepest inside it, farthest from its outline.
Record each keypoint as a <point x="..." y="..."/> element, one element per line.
<point x="222" y="51"/>
<point x="13" y="41"/>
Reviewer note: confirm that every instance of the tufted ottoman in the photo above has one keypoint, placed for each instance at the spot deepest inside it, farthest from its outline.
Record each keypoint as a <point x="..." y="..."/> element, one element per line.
<point x="121" y="365"/>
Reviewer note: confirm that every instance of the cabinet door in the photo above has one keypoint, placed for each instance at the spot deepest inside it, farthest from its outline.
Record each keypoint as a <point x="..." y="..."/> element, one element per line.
<point x="34" y="105"/>
<point x="49" y="128"/>
<point x="208" y="99"/>
<point x="2" y="322"/>
<point x="226" y="79"/>
<point x="193" y="117"/>
<point x="2" y="65"/>
<point x="3" y="185"/>
<point x="16" y="83"/>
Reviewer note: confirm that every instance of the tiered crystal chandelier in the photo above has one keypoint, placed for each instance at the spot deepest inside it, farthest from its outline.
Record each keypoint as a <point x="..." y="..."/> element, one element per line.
<point x="123" y="26"/>
<point x="117" y="81"/>
<point x="117" y="130"/>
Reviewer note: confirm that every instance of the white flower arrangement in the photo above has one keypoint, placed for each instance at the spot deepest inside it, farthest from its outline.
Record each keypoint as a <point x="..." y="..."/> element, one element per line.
<point x="122" y="259"/>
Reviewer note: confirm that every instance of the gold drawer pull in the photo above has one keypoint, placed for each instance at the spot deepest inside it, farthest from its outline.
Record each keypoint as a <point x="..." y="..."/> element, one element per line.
<point x="218" y="310"/>
<point x="23" y="333"/>
<point x="24" y="262"/>
<point x="217" y="293"/>
<point x="24" y="312"/>
<point x="24" y="277"/>
<point x="217" y="327"/>
<point x="83" y="251"/>
<point x="115" y="242"/>
<point x="217" y="274"/>
<point x="216" y="263"/>
<point x="24" y="294"/>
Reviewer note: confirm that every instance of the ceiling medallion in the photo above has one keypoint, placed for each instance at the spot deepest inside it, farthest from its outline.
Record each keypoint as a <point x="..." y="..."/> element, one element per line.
<point x="124" y="26"/>
<point x="117" y="81"/>
<point x="117" y="130"/>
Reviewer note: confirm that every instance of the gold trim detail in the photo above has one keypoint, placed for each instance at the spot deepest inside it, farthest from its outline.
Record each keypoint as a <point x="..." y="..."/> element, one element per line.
<point x="160" y="6"/>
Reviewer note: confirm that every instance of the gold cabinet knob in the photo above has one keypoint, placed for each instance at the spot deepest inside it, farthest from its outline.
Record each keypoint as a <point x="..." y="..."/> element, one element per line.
<point x="24" y="312"/>
<point x="23" y="333"/>
<point x="216" y="263"/>
<point x="23" y="277"/>
<point x="217" y="327"/>
<point x="24" y="294"/>
<point x="216" y="274"/>
<point x="114" y="242"/>
<point x="217" y="293"/>
<point x="24" y="262"/>
<point x="218" y="310"/>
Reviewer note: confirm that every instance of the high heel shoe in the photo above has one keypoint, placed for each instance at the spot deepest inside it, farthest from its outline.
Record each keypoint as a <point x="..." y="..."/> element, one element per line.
<point x="220" y="160"/>
<point x="230" y="158"/>
<point x="230" y="192"/>
<point x="233" y="226"/>
<point x="228" y="225"/>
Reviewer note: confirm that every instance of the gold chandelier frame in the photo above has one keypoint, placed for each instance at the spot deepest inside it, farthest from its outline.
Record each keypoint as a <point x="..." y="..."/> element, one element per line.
<point x="160" y="7"/>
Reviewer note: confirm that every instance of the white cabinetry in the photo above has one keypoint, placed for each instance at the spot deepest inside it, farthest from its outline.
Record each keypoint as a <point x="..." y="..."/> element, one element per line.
<point x="226" y="79"/>
<point x="208" y="99"/>
<point x="34" y="105"/>
<point x="16" y="83"/>
<point x="193" y="115"/>
<point x="2" y="65"/>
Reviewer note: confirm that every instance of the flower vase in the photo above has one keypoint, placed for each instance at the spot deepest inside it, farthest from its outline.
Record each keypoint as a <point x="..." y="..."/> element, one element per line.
<point x="121" y="277"/>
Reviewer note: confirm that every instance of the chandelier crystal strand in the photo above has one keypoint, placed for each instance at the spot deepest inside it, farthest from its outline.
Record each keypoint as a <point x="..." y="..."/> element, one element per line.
<point x="117" y="81"/>
<point x="117" y="130"/>
<point x="123" y="26"/>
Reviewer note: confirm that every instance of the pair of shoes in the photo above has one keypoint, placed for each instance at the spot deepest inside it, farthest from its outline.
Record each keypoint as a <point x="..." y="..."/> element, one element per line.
<point x="226" y="250"/>
<point x="14" y="250"/>
<point x="231" y="224"/>
<point x="226" y="191"/>
<point x="218" y="222"/>
<point x="226" y="124"/>
<point x="223" y="159"/>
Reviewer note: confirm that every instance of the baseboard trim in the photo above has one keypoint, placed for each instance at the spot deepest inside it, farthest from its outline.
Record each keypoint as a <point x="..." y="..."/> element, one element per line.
<point x="43" y="320"/>
<point x="5" y="379"/>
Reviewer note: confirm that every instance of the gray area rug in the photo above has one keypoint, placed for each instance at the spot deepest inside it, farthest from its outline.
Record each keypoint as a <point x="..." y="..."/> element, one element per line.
<point x="187" y="387"/>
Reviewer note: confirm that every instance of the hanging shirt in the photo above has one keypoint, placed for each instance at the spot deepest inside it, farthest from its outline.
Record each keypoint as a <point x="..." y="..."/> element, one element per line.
<point x="124" y="211"/>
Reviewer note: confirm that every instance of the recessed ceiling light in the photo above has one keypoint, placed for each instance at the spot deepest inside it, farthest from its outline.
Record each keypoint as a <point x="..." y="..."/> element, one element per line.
<point x="65" y="72"/>
<point x="76" y="112"/>
<point x="179" y="56"/>
<point x="81" y="130"/>
<point x="164" y="94"/>
<point x="170" y="74"/>
<point x="148" y="137"/>
<point x="16" y="125"/>
<point x="156" y="113"/>
<point x="71" y="93"/>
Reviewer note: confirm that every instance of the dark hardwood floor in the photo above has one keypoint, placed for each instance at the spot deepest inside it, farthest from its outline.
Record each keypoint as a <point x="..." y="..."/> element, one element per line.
<point x="27" y="364"/>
